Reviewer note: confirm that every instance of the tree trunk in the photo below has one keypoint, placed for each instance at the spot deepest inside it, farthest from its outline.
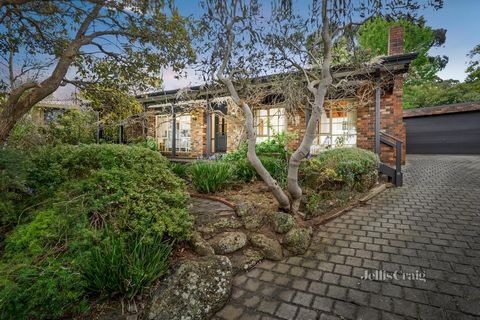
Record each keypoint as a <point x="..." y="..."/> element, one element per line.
<point x="275" y="188"/>
<point x="302" y="151"/>
<point x="319" y="90"/>
<point x="23" y="98"/>
<point x="9" y="116"/>
<point x="277" y="191"/>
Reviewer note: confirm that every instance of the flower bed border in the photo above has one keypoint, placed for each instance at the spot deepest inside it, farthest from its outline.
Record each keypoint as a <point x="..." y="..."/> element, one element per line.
<point x="372" y="193"/>
<point x="213" y="198"/>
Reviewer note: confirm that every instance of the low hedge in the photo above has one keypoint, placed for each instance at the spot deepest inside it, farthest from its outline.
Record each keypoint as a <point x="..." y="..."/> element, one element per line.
<point x="340" y="168"/>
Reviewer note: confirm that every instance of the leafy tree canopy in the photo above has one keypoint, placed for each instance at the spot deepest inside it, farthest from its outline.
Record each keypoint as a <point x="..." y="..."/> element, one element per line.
<point x="87" y="43"/>
<point x="419" y="38"/>
<point x="473" y="69"/>
<point x="439" y="92"/>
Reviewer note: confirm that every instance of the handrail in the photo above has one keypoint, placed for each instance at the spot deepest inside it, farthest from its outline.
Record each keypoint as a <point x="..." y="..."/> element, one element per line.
<point x="390" y="136"/>
<point x="397" y="145"/>
<point x="388" y="142"/>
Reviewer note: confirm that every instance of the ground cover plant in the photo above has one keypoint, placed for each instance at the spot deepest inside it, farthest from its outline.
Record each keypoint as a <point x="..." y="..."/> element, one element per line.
<point x="210" y="176"/>
<point x="75" y="205"/>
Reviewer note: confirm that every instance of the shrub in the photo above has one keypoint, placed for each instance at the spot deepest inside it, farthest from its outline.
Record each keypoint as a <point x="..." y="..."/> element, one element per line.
<point x="85" y="195"/>
<point x="210" y="176"/>
<point x="341" y="168"/>
<point x="277" y="167"/>
<point x="130" y="188"/>
<point x="27" y="134"/>
<point x="180" y="169"/>
<point x="13" y="186"/>
<point x="73" y="127"/>
<point x="320" y="202"/>
<point x="39" y="277"/>
<point x="46" y="290"/>
<point x="274" y="147"/>
<point x="125" y="267"/>
<point x="243" y="171"/>
<point x="148" y="142"/>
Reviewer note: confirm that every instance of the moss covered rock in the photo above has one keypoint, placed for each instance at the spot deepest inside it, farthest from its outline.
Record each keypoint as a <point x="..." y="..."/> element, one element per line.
<point x="197" y="290"/>
<point x="228" y="242"/>
<point x="253" y="222"/>
<point x="245" y="260"/>
<point x="282" y="222"/>
<point x="245" y="209"/>
<point x="269" y="247"/>
<point x="200" y="245"/>
<point x="297" y="240"/>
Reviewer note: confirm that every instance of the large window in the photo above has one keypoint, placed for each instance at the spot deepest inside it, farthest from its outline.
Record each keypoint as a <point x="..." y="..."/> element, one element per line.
<point x="182" y="136"/>
<point x="269" y="122"/>
<point x="336" y="128"/>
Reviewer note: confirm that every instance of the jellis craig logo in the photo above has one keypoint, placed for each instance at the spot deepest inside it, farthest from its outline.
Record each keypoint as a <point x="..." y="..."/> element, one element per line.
<point x="382" y="275"/>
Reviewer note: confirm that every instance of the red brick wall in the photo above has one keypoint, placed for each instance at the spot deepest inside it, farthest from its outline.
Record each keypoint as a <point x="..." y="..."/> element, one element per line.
<point x="395" y="40"/>
<point x="391" y="121"/>
<point x="391" y="111"/>
<point x="366" y="126"/>
<point x="296" y="124"/>
<point x="198" y="133"/>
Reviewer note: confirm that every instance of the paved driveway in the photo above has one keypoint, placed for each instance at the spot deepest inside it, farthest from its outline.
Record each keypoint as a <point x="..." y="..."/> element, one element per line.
<point x="430" y="227"/>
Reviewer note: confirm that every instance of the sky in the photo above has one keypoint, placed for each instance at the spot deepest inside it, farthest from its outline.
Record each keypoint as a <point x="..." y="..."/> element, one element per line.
<point x="460" y="18"/>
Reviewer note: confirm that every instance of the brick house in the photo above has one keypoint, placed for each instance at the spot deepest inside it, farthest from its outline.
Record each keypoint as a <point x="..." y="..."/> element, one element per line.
<point x="205" y="125"/>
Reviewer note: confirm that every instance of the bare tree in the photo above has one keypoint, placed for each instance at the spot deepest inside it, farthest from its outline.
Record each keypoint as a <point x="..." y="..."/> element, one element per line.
<point x="244" y="38"/>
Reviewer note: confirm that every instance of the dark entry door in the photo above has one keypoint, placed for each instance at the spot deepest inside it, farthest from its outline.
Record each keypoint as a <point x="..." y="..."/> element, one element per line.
<point x="220" y="134"/>
<point x="454" y="133"/>
<point x="220" y="128"/>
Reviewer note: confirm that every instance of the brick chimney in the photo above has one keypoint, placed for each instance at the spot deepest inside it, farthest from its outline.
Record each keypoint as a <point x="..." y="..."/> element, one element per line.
<point x="395" y="40"/>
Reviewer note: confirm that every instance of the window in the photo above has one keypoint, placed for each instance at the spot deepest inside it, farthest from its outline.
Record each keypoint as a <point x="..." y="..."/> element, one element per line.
<point x="52" y="115"/>
<point x="182" y="136"/>
<point x="183" y="141"/>
<point x="269" y="122"/>
<point x="336" y="128"/>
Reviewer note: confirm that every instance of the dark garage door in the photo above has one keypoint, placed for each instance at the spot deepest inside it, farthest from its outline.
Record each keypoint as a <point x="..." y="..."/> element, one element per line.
<point x="453" y="133"/>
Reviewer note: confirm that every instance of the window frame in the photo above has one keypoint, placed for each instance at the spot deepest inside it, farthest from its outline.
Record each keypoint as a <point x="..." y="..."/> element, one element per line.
<point x="271" y="129"/>
<point x="338" y="126"/>
<point x="183" y="133"/>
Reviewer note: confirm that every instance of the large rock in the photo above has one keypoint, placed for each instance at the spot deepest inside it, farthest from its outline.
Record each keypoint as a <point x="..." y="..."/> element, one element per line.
<point x="245" y="260"/>
<point x="298" y="240"/>
<point x="253" y="221"/>
<point x="245" y="209"/>
<point x="228" y="242"/>
<point x="200" y="245"/>
<point x="197" y="290"/>
<point x="270" y="248"/>
<point x="223" y="223"/>
<point x="282" y="222"/>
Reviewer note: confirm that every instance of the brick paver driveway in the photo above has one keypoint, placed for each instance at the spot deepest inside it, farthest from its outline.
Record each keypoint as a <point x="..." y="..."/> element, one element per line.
<point x="432" y="225"/>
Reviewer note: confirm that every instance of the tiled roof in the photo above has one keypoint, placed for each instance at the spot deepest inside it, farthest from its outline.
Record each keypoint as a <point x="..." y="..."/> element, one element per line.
<point x="448" y="108"/>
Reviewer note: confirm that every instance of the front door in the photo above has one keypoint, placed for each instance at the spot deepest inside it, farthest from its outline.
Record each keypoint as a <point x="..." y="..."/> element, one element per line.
<point x="220" y="129"/>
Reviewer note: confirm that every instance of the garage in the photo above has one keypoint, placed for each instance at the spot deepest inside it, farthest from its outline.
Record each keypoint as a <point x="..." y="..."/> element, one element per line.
<point x="449" y="129"/>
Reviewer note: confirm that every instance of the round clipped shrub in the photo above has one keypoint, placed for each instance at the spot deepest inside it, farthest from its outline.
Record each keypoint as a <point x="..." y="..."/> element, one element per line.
<point x="341" y="168"/>
<point x="84" y="197"/>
